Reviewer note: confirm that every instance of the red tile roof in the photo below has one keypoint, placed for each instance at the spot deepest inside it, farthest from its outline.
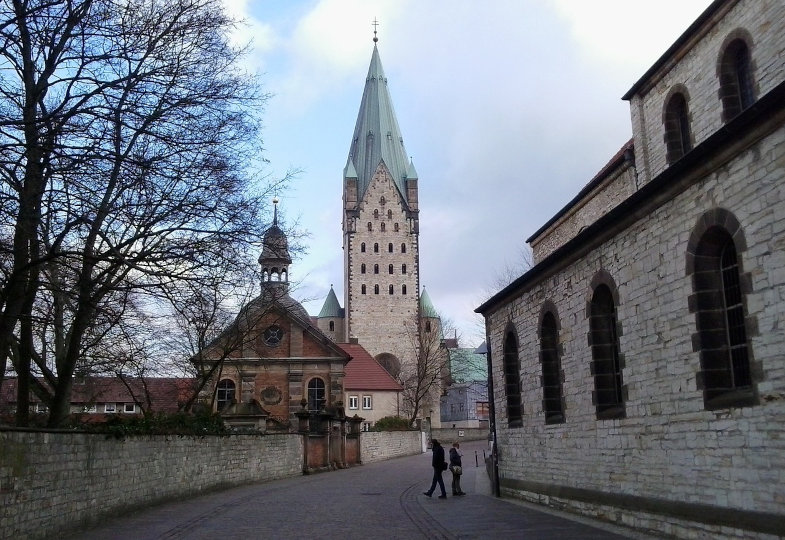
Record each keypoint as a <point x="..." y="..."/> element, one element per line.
<point x="363" y="372"/>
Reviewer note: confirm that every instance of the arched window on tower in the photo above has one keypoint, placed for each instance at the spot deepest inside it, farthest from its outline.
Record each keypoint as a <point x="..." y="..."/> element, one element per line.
<point x="396" y="227"/>
<point x="370" y="226"/>
<point x="362" y="289"/>
<point x="376" y="248"/>
<point x="375" y="268"/>
<point x="677" y="128"/>
<point x="391" y="289"/>
<point x="390" y="269"/>
<point x="736" y="88"/>
<point x="403" y="269"/>
<point x="376" y="214"/>
<point x="362" y="268"/>
<point x="403" y="248"/>
<point x="382" y="201"/>
<point x="383" y="226"/>
<point x="332" y="326"/>
<point x="390" y="247"/>
<point x="403" y="289"/>
<point x="375" y="289"/>
<point x="362" y="247"/>
<point x="389" y="214"/>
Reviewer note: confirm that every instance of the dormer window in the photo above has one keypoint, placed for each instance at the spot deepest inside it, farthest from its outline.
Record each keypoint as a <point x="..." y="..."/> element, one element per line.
<point x="677" y="128"/>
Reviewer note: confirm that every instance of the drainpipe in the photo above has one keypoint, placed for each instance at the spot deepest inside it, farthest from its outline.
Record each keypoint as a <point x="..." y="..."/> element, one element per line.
<point x="492" y="411"/>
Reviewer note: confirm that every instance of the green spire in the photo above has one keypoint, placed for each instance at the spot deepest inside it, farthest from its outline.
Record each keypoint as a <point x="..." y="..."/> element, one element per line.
<point x="426" y="306"/>
<point x="331" y="307"/>
<point x="377" y="137"/>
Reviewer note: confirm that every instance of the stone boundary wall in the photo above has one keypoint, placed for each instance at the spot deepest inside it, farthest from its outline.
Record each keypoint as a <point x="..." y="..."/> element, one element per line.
<point x="52" y="481"/>
<point x="381" y="445"/>
<point x="448" y="436"/>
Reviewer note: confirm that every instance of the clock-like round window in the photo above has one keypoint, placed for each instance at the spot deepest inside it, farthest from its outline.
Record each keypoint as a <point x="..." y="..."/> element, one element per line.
<point x="273" y="336"/>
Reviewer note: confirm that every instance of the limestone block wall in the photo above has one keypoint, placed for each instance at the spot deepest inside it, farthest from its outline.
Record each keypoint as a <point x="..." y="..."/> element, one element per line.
<point x="697" y="71"/>
<point x="52" y="482"/>
<point x="669" y="453"/>
<point x="381" y="445"/>
<point x="447" y="436"/>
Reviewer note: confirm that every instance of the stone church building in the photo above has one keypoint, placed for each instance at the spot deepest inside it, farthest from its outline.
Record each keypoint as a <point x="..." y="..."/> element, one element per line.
<point x="638" y="368"/>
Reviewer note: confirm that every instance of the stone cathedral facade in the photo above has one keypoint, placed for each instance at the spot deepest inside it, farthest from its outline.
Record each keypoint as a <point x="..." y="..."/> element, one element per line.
<point x="638" y="369"/>
<point x="380" y="233"/>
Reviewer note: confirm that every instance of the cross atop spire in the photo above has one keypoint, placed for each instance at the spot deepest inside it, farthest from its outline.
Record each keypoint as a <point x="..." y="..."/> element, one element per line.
<point x="375" y="23"/>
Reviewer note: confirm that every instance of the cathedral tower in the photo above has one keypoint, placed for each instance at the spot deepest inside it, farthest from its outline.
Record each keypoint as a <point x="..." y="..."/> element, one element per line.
<point x="380" y="228"/>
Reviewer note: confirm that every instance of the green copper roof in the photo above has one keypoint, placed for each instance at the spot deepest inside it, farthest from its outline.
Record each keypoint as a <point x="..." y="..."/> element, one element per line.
<point x="426" y="306"/>
<point x="377" y="137"/>
<point x="331" y="307"/>
<point x="467" y="366"/>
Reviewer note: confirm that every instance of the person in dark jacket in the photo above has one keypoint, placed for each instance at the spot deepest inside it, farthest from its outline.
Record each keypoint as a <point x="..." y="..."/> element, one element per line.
<point x="439" y="464"/>
<point x="456" y="469"/>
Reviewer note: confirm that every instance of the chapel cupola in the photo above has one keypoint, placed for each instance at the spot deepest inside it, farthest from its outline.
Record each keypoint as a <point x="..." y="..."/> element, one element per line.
<point x="275" y="258"/>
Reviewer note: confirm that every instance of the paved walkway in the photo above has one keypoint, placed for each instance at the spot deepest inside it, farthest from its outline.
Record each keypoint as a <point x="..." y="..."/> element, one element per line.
<point x="378" y="501"/>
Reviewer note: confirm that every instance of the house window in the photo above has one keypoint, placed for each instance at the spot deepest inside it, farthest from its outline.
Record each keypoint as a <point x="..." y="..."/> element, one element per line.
<point x="41" y="408"/>
<point x="362" y="247"/>
<point x="332" y="326"/>
<point x="512" y="380"/>
<point x="390" y="247"/>
<point x="403" y="289"/>
<point x="551" y="369"/>
<point x="391" y="289"/>
<point x="225" y="394"/>
<point x="370" y="226"/>
<point x="403" y="248"/>
<point x="736" y="90"/>
<point x="110" y="407"/>
<point x="129" y="407"/>
<point x="718" y="302"/>
<point x="677" y="128"/>
<point x="362" y="268"/>
<point x="362" y="289"/>
<point x="382" y="226"/>
<point x="375" y="268"/>
<point x="353" y="402"/>
<point x="606" y="361"/>
<point x="89" y="408"/>
<point x="316" y="399"/>
<point x="376" y="248"/>
<point x="366" y="426"/>
<point x="390" y="269"/>
<point x="367" y="403"/>
<point x="403" y="269"/>
<point x="375" y="289"/>
<point x="483" y="410"/>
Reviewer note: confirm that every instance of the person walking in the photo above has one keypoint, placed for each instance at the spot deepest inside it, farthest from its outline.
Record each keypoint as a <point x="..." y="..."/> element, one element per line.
<point x="456" y="469"/>
<point x="439" y="465"/>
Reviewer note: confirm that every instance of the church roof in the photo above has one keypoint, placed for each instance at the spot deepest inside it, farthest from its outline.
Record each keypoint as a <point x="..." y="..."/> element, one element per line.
<point x="377" y="137"/>
<point x="363" y="372"/>
<point x="466" y="365"/>
<point x="426" y="306"/>
<point x="331" y="307"/>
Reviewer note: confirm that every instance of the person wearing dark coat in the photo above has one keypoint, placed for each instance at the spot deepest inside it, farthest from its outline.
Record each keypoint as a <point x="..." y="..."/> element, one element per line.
<point x="456" y="469"/>
<point x="439" y="465"/>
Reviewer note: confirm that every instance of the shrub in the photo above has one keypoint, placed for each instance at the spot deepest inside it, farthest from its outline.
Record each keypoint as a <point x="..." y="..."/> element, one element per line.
<point x="392" y="423"/>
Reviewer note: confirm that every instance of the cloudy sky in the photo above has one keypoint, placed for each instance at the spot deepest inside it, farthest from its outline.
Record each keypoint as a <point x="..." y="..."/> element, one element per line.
<point x="507" y="107"/>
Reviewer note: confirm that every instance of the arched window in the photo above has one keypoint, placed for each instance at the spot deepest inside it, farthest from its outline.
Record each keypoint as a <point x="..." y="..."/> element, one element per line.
<point x="225" y="394"/>
<point x="677" y="128"/>
<point x="551" y="369"/>
<point x="391" y="289"/>
<point x="362" y="247"/>
<point x="375" y="268"/>
<point x="362" y="268"/>
<point x="718" y="303"/>
<point x="512" y="380"/>
<point x="389" y="214"/>
<point x="362" y="289"/>
<point x="403" y="289"/>
<point x="376" y="214"/>
<point x="736" y="89"/>
<point x="382" y="226"/>
<point x="403" y="248"/>
<point x="606" y="361"/>
<point x="382" y="201"/>
<point x="428" y="326"/>
<point x="370" y="226"/>
<point x="376" y="248"/>
<point x="316" y="395"/>
<point x="332" y="326"/>
<point x="403" y="269"/>
<point x="395" y="227"/>
<point x="390" y="247"/>
<point x="390" y="269"/>
<point x="375" y="289"/>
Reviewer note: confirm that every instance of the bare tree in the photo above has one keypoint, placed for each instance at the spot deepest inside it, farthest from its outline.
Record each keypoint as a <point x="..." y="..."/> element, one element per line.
<point x="126" y="135"/>
<point x="424" y="372"/>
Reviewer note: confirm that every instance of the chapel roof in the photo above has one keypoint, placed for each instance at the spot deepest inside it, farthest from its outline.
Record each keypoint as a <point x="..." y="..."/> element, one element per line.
<point x="363" y="372"/>
<point x="377" y="137"/>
